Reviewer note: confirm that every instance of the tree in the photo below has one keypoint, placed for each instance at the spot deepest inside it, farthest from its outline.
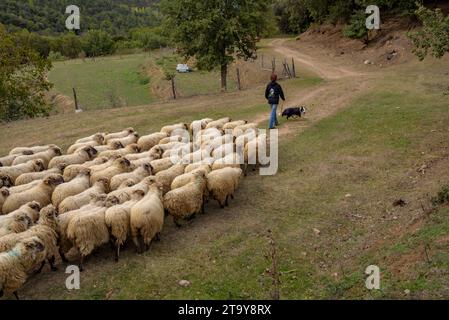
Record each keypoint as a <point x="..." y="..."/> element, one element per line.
<point x="98" y="43"/>
<point x="434" y="36"/>
<point x="23" y="80"/>
<point x="215" y="32"/>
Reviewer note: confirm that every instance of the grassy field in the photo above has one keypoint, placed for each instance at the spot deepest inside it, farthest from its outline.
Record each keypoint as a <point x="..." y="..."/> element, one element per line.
<point x="106" y="82"/>
<point x="330" y="207"/>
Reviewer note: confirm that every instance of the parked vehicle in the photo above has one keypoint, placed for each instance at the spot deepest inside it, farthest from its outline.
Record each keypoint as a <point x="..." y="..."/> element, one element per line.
<point x="183" y="68"/>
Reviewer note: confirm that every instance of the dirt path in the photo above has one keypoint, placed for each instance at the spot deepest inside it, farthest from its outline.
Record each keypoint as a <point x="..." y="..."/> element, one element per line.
<point x="340" y="87"/>
<point x="326" y="70"/>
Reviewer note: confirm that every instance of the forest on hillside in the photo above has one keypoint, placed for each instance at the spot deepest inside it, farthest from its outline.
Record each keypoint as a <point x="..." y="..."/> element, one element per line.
<point x="47" y="17"/>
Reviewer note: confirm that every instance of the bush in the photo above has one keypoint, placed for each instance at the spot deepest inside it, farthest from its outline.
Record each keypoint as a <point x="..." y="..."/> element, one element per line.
<point x="356" y="29"/>
<point x="442" y="197"/>
<point x="98" y="43"/>
<point x="56" y="56"/>
<point x="23" y="79"/>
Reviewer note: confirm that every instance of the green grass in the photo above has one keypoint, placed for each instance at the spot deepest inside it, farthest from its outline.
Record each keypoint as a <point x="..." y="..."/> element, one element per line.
<point x="194" y="83"/>
<point x="106" y="82"/>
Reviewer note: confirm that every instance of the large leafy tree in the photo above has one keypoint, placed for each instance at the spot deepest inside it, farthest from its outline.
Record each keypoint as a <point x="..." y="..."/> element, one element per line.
<point x="23" y="80"/>
<point x="216" y="32"/>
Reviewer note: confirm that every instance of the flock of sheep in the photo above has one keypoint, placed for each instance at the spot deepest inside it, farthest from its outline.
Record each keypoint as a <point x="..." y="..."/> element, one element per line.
<point x="110" y="188"/>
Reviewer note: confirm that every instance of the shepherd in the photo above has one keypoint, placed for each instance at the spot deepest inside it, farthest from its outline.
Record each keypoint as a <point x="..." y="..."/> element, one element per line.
<point x="272" y="94"/>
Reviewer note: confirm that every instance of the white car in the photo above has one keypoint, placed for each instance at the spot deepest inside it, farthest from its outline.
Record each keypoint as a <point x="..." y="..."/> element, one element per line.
<point x="183" y="68"/>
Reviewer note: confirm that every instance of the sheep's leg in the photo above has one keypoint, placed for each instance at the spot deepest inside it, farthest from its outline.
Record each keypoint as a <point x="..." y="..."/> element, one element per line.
<point x="40" y="268"/>
<point x="81" y="264"/>
<point x="1" y="293"/>
<point x="142" y="245"/>
<point x="16" y="295"/>
<point x="232" y="196"/>
<point x="117" y="253"/>
<point x="245" y="170"/>
<point x="202" y="208"/>
<point x="61" y="253"/>
<point x="227" y="201"/>
<point x="221" y="204"/>
<point x="176" y="221"/>
<point x="52" y="261"/>
<point x="136" y="243"/>
<point x="158" y="237"/>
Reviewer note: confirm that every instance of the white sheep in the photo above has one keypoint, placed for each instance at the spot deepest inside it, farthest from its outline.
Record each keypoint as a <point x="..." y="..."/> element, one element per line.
<point x="45" y="230"/>
<point x="9" y="159"/>
<point x="233" y="160"/>
<point x="147" y="218"/>
<point x="126" y="141"/>
<point x="137" y="175"/>
<point x="130" y="149"/>
<point x="77" y="146"/>
<point x="218" y="123"/>
<point x="111" y="146"/>
<point x="145" y="143"/>
<point x="125" y="194"/>
<point x="87" y="232"/>
<point x="169" y="129"/>
<point x="45" y="156"/>
<point x="13" y="172"/>
<point x="199" y="125"/>
<point x="186" y="178"/>
<point x="70" y="172"/>
<point x="97" y="203"/>
<point x="187" y="201"/>
<point x="23" y="187"/>
<point x="29" y="177"/>
<point x="98" y="137"/>
<point x="40" y="193"/>
<point x="118" y="220"/>
<point x="218" y="141"/>
<point x="119" y="166"/>
<point x="16" y="223"/>
<point x="118" y="135"/>
<point x="15" y="265"/>
<point x="31" y="150"/>
<point x="240" y="130"/>
<point x="206" y="162"/>
<point x="223" y="150"/>
<point x="31" y="209"/>
<point x="81" y="156"/>
<point x="166" y="177"/>
<point x="84" y="198"/>
<point x="233" y="124"/>
<point x="161" y="165"/>
<point x="71" y="188"/>
<point x="223" y="183"/>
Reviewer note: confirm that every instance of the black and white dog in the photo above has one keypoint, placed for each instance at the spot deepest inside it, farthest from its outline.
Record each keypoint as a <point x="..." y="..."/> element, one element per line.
<point x="294" y="112"/>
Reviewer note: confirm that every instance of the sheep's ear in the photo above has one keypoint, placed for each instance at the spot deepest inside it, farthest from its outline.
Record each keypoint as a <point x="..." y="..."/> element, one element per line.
<point x="140" y="193"/>
<point x="4" y="192"/>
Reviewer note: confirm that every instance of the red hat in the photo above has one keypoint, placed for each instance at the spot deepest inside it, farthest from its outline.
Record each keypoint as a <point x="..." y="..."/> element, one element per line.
<point x="274" y="77"/>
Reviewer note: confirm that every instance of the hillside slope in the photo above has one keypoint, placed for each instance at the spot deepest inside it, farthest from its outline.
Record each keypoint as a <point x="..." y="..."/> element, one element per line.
<point x="48" y="16"/>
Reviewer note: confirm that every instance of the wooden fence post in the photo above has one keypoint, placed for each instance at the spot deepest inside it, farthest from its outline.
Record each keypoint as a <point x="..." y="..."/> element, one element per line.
<point x="293" y="68"/>
<point x="239" y="84"/>
<point x="173" y="87"/>
<point x="76" y="100"/>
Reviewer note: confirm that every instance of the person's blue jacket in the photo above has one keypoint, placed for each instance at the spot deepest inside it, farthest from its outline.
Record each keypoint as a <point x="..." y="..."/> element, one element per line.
<point x="273" y="92"/>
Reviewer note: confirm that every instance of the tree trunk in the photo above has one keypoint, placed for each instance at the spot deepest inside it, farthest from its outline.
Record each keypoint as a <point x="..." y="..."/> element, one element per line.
<point x="224" y="76"/>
